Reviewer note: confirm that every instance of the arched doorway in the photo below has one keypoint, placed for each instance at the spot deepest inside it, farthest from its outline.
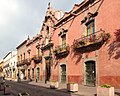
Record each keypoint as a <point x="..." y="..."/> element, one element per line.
<point x="29" y="74"/>
<point x="32" y="73"/>
<point x="22" y="73"/>
<point x="48" y="72"/>
<point x="90" y="73"/>
<point x="63" y="73"/>
<point x="38" y="73"/>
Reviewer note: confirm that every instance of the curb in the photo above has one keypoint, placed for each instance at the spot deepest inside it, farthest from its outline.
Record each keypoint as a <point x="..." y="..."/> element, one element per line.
<point x="60" y="90"/>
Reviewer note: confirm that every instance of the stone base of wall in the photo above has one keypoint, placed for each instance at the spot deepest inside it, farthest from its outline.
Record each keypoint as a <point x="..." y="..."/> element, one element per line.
<point x="111" y="80"/>
<point x="54" y="77"/>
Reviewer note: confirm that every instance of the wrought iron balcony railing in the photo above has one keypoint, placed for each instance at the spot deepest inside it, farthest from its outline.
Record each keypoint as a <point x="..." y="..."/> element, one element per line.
<point x="45" y="47"/>
<point x="97" y="37"/>
<point x="27" y="61"/>
<point x="37" y="58"/>
<point x="23" y="62"/>
<point x="62" y="50"/>
<point x="20" y="63"/>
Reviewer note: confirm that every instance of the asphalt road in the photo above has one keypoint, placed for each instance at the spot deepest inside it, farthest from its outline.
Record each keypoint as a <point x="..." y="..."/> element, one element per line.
<point x="34" y="90"/>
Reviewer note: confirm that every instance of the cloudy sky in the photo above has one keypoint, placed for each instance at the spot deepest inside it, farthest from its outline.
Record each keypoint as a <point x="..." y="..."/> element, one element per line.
<point x="20" y="18"/>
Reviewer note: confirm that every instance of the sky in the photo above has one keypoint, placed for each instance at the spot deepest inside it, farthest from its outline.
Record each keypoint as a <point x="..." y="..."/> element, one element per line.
<point x="20" y="18"/>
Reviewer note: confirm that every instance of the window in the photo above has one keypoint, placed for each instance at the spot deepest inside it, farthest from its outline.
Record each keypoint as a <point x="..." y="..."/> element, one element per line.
<point x="47" y="28"/>
<point x="90" y="31"/>
<point x="18" y="58"/>
<point x="33" y="73"/>
<point x="46" y="40"/>
<point x="21" y="57"/>
<point x="28" y="73"/>
<point x="29" y="53"/>
<point x="24" y="56"/>
<point x="38" y="73"/>
<point x="63" y="38"/>
<point x="90" y="28"/>
<point x="14" y="63"/>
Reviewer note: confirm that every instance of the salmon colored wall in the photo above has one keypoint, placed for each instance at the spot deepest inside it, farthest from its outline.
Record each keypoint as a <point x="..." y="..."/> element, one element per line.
<point x="108" y="59"/>
<point x="33" y="52"/>
<point x="108" y="20"/>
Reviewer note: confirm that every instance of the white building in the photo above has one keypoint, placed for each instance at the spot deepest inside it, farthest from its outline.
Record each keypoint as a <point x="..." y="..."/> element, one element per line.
<point x="10" y="62"/>
<point x="13" y="65"/>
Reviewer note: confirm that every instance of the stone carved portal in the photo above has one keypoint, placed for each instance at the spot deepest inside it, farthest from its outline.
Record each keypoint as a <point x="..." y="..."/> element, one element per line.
<point x="48" y="70"/>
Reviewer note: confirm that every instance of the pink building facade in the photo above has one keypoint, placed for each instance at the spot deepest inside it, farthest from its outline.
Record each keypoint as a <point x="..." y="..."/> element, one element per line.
<point x="34" y="70"/>
<point x="40" y="47"/>
<point x="82" y="46"/>
<point x="87" y="45"/>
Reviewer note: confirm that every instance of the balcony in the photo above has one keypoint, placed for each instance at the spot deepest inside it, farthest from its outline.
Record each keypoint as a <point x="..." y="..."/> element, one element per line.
<point x="27" y="61"/>
<point x="20" y="63"/>
<point x="48" y="46"/>
<point x="96" y="39"/>
<point x="22" y="67"/>
<point x="62" y="50"/>
<point x="23" y="62"/>
<point x="37" y="58"/>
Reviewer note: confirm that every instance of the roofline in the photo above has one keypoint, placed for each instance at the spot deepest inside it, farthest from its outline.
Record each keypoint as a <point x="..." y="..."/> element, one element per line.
<point x="21" y="44"/>
<point x="7" y="54"/>
<point x="74" y="12"/>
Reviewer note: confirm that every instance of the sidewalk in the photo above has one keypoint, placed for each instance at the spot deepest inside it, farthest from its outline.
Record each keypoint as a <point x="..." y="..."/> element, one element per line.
<point x="82" y="91"/>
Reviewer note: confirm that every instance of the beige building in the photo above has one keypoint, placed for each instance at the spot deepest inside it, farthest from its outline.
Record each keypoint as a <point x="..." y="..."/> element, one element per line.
<point x="22" y="56"/>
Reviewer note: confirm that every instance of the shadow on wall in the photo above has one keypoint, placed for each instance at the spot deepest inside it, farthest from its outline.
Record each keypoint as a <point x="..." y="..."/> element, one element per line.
<point x="76" y="54"/>
<point x="55" y="62"/>
<point x="114" y="47"/>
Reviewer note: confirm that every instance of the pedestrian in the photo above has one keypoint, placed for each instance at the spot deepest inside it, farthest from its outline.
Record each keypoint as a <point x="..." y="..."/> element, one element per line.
<point x="36" y="80"/>
<point x="18" y="77"/>
<point x="4" y="77"/>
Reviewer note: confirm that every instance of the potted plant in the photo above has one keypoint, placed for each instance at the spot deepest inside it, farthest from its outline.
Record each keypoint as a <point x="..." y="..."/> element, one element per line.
<point x="54" y="84"/>
<point x="55" y="51"/>
<point x="105" y="36"/>
<point x="82" y="42"/>
<point x="105" y="90"/>
<point x="67" y="48"/>
<point x="59" y="50"/>
<point x="23" y="94"/>
<point x="7" y="89"/>
<point x="92" y="38"/>
<point x="72" y="87"/>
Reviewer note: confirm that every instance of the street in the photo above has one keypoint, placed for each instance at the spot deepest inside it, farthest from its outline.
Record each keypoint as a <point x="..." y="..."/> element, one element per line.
<point x="35" y="90"/>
